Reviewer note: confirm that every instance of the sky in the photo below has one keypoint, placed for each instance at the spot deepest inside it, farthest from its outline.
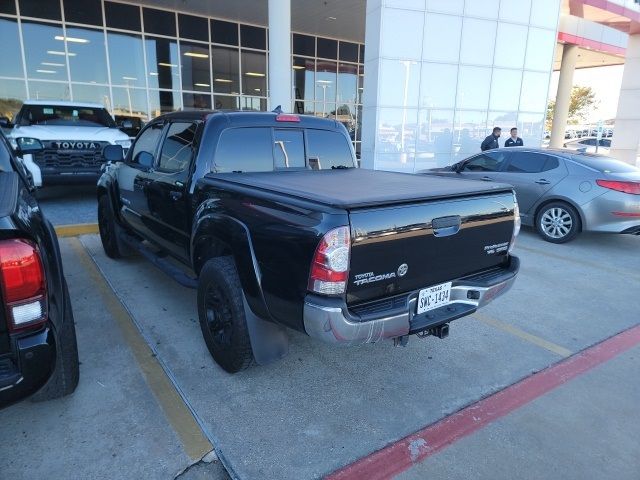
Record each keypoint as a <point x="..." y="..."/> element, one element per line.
<point x="605" y="82"/>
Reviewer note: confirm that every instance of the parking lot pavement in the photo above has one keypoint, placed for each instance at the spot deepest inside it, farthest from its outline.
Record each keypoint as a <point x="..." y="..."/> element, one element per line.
<point x="69" y="204"/>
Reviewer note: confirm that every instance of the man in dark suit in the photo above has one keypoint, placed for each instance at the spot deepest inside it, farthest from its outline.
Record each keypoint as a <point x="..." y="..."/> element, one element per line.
<point x="491" y="141"/>
<point x="514" y="140"/>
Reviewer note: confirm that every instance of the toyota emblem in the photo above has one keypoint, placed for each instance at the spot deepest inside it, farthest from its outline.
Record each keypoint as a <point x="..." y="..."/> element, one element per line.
<point x="402" y="270"/>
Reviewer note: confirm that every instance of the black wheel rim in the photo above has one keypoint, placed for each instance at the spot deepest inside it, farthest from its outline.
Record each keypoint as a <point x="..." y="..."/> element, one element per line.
<point x="218" y="315"/>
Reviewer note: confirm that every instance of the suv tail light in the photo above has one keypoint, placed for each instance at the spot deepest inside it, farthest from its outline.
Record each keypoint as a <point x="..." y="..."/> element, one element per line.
<point x="23" y="284"/>
<point x="330" y="265"/>
<point x="625" y="187"/>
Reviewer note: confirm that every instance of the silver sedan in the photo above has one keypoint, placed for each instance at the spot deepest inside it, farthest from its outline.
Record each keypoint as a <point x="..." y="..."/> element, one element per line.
<point x="561" y="192"/>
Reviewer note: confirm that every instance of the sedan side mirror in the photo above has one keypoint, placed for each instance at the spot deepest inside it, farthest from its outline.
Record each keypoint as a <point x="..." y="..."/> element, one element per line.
<point x="113" y="153"/>
<point x="28" y="145"/>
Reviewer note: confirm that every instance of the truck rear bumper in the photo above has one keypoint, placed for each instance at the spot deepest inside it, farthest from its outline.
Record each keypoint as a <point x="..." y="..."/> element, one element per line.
<point x="329" y="320"/>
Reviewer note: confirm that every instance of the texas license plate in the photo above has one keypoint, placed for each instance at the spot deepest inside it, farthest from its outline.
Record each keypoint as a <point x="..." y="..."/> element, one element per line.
<point x="434" y="297"/>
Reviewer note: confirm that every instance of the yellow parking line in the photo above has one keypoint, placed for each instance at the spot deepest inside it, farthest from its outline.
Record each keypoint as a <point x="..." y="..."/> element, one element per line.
<point x="540" y="342"/>
<point x="75" y="230"/>
<point x="195" y="442"/>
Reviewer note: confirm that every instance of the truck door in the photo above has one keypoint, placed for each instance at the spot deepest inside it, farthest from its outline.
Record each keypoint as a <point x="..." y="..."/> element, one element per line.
<point x="167" y="193"/>
<point x="135" y="176"/>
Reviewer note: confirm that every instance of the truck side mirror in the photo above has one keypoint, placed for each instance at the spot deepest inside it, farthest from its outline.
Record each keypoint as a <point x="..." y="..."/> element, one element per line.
<point x="28" y="145"/>
<point x="144" y="159"/>
<point x="113" y="153"/>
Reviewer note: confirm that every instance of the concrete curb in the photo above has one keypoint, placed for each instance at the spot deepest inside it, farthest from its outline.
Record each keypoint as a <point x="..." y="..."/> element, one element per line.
<point x="76" y="230"/>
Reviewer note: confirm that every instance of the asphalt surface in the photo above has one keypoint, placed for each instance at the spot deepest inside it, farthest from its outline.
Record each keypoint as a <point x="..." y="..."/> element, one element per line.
<point x="323" y="407"/>
<point x="69" y="204"/>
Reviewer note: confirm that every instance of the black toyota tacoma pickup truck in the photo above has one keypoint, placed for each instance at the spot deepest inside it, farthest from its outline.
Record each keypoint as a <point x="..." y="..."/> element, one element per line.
<point x="267" y="216"/>
<point x="38" y="351"/>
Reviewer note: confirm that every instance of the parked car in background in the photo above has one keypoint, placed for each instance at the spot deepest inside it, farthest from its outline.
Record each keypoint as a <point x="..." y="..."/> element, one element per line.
<point x="588" y="145"/>
<point x="73" y="135"/>
<point x="561" y="192"/>
<point x="38" y="351"/>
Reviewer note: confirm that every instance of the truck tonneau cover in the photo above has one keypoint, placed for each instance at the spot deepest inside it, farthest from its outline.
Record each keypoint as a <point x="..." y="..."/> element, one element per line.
<point x="358" y="188"/>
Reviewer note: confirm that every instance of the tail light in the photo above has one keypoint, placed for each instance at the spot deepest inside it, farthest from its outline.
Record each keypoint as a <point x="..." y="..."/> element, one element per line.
<point x="287" y="117"/>
<point x="517" y="222"/>
<point x="625" y="187"/>
<point x="330" y="266"/>
<point x="23" y="284"/>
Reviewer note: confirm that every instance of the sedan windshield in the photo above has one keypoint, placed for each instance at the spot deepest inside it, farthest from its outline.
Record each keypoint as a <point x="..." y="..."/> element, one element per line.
<point x="604" y="164"/>
<point x="63" y="115"/>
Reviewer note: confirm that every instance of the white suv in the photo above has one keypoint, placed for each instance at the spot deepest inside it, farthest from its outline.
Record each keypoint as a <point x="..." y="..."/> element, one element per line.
<point x="73" y="135"/>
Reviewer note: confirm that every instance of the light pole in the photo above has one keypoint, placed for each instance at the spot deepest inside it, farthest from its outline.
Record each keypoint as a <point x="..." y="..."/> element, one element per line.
<point x="407" y="67"/>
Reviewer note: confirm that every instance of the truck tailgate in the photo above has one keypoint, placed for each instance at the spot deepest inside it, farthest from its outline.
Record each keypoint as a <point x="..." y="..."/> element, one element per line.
<point x="402" y="248"/>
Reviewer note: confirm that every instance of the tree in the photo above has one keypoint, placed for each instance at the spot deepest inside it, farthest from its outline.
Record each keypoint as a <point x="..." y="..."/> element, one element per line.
<point x="582" y="99"/>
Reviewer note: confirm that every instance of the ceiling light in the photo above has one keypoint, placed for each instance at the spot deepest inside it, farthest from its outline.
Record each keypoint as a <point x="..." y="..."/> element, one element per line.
<point x="155" y="74"/>
<point x="71" y="39"/>
<point x="196" y="55"/>
<point x="331" y="18"/>
<point x="298" y="67"/>
<point x="46" y="71"/>
<point x="202" y="85"/>
<point x="55" y="52"/>
<point x="222" y="80"/>
<point x="51" y="64"/>
<point x="256" y="90"/>
<point x="162" y="64"/>
<point x="129" y="78"/>
<point x="324" y="81"/>
<point x="254" y="74"/>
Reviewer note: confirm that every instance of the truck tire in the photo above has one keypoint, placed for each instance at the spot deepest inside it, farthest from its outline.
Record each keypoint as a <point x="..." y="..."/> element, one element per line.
<point x="222" y="316"/>
<point x="108" y="228"/>
<point x="558" y="222"/>
<point x="65" y="377"/>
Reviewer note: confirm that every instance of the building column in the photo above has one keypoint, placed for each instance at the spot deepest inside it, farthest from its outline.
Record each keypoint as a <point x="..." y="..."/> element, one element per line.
<point x="626" y="137"/>
<point x="280" y="77"/>
<point x="563" y="97"/>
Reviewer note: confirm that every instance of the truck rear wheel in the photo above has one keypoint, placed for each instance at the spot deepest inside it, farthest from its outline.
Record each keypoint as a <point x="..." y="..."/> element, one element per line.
<point x="108" y="228"/>
<point x="222" y="316"/>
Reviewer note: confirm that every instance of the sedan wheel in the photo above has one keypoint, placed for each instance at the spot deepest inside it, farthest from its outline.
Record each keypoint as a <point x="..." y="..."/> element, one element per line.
<point x="558" y="222"/>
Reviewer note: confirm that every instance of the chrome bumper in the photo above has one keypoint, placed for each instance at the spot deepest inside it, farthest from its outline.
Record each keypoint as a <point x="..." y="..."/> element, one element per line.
<point x="330" y="321"/>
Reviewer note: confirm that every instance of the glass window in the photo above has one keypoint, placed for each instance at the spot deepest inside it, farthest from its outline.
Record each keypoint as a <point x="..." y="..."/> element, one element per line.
<point x="540" y="49"/>
<point x="605" y="164"/>
<point x="147" y="142"/>
<point x="526" y="162"/>
<point x="196" y="28"/>
<point x="327" y="48"/>
<point x="435" y="131"/>
<point x="87" y="58"/>
<point x="304" y="45"/>
<point x="505" y="89"/>
<point x="531" y="127"/>
<point x="544" y="13"/>
<point x="226" y="70"/>
<point x="441" y="41"/>
<point x="487" y="162"/>
<point x="130" y="102"/>
<point x="589" y="141"/>
<point x="162" y="61"/>
<point x="533" y="97"/>
<point x="253" y="37"/>
<point x="196" y="101"/>
<point x="478" y="41"/>
<point x="45" y="56"/>
<point x="177" y="148"/>
<point x="361" y="53"/>
<point x="438" y="89"/>
<point x="224" y="32"/>
<point x="119" y="15"/>
<point x="347" y="83"/>
<point x="244" y="150"/>
<point x="49" y="90"/>
<point x="91" y="93"/>
<point x="163" y="101"/>
<point x="551" y="164"/>
<point x="303" y="80"/>
<point x="511" y="43"/>
<point x="8" y="7"/>
<point x="473" y="87"/>
<point x="446" y="6"/>
<point x="12" y="93"/>
<point x="515" y="10"/>
<point x="83" y="11"/>
<point x="360" y="83"/>
<point x="398" y="34"/>
<point x="349" y="52"/>
<point x="397" y="129"/>
<point x="326" y="76"/>
<point x="11" y="65"/>
<point x="484" y="8"/>
<point x="226" y="102"/>
<point x="331" y="149"/>
<point x="65" y="115"/>
<point x="504" y="120"/>
<point x="399" y="82"/>
<point x="39" y="9"/>
<point x="255" y="104"/>
<point x="289" y="148"/>
<point x="470" y="129"/>
<point x="194" y="59"/>
<point x="254" y="73"/>
<point x="126" y="69"/>
<point x="160" y="22"/>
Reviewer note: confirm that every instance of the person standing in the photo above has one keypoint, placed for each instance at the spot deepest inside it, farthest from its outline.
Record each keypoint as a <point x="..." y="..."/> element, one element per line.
<point x="491" y="141"/>
<point x="514" y="140"/>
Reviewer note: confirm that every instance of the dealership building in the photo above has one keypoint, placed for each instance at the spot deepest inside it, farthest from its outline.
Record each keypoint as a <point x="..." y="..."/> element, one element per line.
<point x="417" y="83"/>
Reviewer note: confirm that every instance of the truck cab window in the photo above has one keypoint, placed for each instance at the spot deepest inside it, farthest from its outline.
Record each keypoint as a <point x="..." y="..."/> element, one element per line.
<point x="177" y="149"/>
<point x="246" y="149"/>
<point x="146" y="142"/>
<point x="330" y="148"/>
<point x="288" y="148"/>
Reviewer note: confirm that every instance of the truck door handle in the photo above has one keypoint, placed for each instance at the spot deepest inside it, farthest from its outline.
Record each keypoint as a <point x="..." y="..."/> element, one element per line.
<point x="543" y="181"/>
<point x="175" y="195"/>
<point x="487" y="179"/>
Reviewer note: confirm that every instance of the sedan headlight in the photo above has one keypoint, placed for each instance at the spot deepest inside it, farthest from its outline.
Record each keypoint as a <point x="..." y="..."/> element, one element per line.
<point x="124" y="143"/>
